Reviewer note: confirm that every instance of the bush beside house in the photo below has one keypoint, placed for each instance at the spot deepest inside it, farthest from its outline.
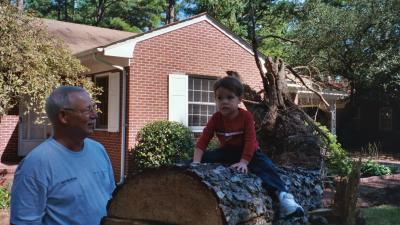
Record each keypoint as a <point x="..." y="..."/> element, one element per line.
<point x="162" y="143"/>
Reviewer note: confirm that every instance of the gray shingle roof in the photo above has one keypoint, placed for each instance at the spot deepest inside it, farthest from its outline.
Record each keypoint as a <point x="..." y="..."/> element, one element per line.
<point x="79" y="37"/>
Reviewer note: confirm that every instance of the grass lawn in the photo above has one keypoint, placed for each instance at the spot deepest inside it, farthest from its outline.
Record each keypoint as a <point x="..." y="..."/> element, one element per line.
<point x="382" y="215"/>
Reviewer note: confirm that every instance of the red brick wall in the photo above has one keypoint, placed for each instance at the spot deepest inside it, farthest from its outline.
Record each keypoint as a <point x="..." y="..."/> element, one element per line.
<point x="9" y="144"/>
<point x="112" y="143"/>
<point x="198" y="49"/>
<point x="9" y="139"/>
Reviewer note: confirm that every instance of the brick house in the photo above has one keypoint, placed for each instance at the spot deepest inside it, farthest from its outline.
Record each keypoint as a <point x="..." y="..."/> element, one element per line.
<point x="163" y="74"/>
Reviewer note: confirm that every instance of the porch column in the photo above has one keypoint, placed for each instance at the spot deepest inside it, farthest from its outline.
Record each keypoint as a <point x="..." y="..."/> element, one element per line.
<point x="332" y="110"/>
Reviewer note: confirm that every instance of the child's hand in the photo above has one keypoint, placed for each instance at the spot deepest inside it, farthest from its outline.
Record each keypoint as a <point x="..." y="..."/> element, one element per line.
<point x="241" y="166"/>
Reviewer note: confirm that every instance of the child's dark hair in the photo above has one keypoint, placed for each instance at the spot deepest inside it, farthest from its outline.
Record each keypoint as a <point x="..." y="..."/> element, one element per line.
<point x="231" y="83"/>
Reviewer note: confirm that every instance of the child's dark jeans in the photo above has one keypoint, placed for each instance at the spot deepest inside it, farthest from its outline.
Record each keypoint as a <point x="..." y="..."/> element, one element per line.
<point x="260" y="165"/>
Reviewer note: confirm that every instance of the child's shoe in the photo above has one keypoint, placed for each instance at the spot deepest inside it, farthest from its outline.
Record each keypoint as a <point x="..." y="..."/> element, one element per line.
<point x="288" y="207"/>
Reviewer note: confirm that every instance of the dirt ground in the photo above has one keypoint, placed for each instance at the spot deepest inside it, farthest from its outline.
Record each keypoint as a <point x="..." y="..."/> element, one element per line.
<point x="374" y="191"/>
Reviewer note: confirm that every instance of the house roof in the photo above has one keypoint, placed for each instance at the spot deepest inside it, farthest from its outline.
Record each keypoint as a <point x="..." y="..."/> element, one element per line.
<point x="79" y="37"/>
<point x="83" y="39"/>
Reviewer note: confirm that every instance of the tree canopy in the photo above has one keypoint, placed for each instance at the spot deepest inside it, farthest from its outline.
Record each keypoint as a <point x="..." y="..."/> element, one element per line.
<point x="32" y="63"/>
<point x="272" y="19"/>
<point x="128" y="15"/>
<point x="357" y="39"/>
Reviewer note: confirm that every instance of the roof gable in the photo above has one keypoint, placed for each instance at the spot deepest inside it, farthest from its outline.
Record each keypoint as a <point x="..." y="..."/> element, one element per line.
<point x="125" y="47"/>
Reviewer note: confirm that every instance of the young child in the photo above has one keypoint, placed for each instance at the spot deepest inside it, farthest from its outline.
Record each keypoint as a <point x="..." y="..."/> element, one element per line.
<point x="236" y="133"/>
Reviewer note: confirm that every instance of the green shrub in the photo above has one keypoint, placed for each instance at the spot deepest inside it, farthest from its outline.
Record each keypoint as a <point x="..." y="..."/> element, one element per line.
<point x="337" y="159"/>
<point x="371" y="168"/>
<point x="162" y="143"/>
<point x="4" y="198"/>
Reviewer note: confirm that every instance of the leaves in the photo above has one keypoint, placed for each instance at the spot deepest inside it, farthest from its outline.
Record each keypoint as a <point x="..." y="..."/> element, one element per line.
<point x="162" y="143"/>
<point x="358" y="40"/>
<point x="32" y="63"/>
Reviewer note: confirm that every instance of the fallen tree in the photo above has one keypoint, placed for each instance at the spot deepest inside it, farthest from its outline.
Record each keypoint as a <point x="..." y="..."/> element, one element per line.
<point x="207" y="194"/>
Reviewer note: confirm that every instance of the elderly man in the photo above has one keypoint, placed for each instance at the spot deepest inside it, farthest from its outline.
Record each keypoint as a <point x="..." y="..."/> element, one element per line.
<point x="67" y="179"/>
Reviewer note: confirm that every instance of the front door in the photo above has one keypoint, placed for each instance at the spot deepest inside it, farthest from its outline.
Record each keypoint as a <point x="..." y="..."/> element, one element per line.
<point x="31" y="134"/>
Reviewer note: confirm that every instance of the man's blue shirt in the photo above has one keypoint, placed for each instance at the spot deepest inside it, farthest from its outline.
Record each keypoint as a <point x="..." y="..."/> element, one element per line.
<point x="54" y="185"/>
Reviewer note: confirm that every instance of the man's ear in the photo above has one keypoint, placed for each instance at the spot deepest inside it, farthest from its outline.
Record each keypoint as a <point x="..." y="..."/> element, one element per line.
<point x="62" y="117"/>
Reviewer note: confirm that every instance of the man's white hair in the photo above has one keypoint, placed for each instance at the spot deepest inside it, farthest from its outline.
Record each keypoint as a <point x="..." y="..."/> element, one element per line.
<point x="59" y="99"/>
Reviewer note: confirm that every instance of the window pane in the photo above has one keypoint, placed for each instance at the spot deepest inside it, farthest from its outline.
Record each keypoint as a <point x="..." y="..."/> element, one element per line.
<point x="211" y="109"/>
<point x="204" y="85"/>
<point x="385" y="118"/>
<point x="203" y="121"/>
<point x="203" y="110"/>
<point x="191" y="96"/>
<point x="190" y="83"/>
<point x="196" y="120"/>
<point x="204" y="97"/>
<point x="190" y="108"/>
<point x="212" y="97"/>
<point x="197" y="96"/>
<point x="212" y="82"/>
<point x="196" y="109"/>
<point x="197" y="84"/>
<point x="102" y="119"/>
<point x="190" y="120"/>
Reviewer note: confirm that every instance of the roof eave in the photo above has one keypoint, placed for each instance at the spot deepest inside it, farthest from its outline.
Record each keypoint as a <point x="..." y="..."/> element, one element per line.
<point x="89" y="52"/>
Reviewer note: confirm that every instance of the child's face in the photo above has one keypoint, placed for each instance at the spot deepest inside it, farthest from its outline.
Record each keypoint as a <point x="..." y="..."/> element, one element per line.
<point x="227" y="102"/>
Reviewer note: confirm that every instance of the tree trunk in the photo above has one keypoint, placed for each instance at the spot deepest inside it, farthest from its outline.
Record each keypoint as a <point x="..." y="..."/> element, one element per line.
<point x="170" y="14"/>
<point x="59" y="3"/>
<point x="66" y="17"/>
<point x="207" y="194"/>
<point x="20" y="5"/>
<point x="282" y="127"/>
<point x="346" y="196"/>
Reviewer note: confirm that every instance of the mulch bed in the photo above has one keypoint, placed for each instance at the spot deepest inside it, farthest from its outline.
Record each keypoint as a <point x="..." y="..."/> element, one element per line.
<point x="373" y="191"/>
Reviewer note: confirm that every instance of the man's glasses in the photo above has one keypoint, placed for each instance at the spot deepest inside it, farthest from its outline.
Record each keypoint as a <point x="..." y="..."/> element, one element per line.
<point x="88" y="110"/>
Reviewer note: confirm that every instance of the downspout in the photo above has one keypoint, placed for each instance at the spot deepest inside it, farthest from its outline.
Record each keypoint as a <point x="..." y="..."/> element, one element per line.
<point x="123" y="120"/>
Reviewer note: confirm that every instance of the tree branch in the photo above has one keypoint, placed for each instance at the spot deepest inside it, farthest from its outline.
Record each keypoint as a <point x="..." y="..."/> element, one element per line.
<point x="305" y="85"/>
<point x="278" y="37"/>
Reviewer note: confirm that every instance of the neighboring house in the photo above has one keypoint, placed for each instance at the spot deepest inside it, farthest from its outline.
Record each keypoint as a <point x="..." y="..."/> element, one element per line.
<point x="163" y="74"/>
<point x="370" y="124"/>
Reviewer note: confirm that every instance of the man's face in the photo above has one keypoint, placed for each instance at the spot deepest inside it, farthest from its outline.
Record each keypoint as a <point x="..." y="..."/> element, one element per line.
<point x="80" y="118"/>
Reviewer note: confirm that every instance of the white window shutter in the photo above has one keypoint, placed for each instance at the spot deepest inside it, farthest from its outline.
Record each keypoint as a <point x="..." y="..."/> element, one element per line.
<point x="178" y="98"/>
<point x="113" y="102"/>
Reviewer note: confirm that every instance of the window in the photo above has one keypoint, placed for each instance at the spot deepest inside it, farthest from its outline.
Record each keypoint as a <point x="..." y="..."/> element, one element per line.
<point x="385" y="118"/>
<point x="109" y="101"/>
<point x="201" y="101"/>
<point x="102" y="119"/>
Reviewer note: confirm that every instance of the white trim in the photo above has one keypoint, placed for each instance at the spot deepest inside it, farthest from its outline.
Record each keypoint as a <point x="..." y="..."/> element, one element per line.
<point x="203" y="103"/>
<point x="334" y="93"/>
<point x="178" y="96"/>
<point x="197" y="129"/>
<point x="113" y="102"/>
<point x="126" y="48"/>
<point x="113" y="98"/>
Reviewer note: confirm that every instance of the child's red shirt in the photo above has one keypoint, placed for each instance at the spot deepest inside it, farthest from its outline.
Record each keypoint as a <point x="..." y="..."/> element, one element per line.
<point x="237" y="134"/>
